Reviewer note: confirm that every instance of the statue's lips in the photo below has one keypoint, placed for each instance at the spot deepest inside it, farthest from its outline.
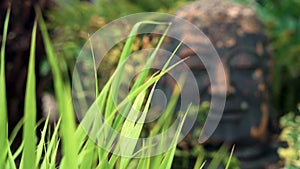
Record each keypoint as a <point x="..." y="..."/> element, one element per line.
<point x="232" y="114"/>
<point x="229" y="115"/>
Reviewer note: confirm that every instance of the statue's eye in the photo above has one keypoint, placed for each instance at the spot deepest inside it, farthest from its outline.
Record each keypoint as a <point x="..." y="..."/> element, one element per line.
<point x="195" y="63"/>
<point x="243" y="61"/>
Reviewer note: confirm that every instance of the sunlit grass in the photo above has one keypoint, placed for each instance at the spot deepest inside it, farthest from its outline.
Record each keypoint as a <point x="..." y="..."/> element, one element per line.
<point x="3" y="106"/>
<point x="62" y="91"/>
<point x="29" y="137"/>
<point x="78" y="150"/>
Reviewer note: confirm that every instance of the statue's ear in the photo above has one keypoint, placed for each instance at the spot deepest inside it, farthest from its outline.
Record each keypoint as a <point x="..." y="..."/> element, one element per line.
<point x="269" y="63"/>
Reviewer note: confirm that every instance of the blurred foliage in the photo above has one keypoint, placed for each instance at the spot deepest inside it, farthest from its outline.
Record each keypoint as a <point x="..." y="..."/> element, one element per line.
<point x="190" y="150"/>
<point x="291" y="135"/>
<point x="73" y="21"/>
<point x="282" y="22"/>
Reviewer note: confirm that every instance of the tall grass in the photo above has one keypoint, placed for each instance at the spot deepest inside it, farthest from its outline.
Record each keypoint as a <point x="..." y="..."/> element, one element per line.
<point x="63" y="95"/>
<point x="29" y="137"/>
<point x="3" y="108"/>
<point x="78" y="150"/>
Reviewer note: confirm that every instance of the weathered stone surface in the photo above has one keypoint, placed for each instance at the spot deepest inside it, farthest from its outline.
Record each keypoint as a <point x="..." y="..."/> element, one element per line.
<point x="238" y="37"/>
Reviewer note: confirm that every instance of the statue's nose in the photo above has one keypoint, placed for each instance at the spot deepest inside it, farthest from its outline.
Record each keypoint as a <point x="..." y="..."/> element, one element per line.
<point x="221" y="83"/>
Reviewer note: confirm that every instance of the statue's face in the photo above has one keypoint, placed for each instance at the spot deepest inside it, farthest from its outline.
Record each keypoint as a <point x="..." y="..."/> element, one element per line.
<point x="246" y="109"/>
<point x="242" y="49"/>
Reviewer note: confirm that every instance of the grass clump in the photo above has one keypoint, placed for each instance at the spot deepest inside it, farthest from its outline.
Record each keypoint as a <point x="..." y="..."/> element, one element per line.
<point x="79" y="150"/>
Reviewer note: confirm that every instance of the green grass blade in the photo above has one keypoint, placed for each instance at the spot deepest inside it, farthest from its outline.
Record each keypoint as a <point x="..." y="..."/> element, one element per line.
<point x="68" y="128"/>
<point x="51" y="145"/>
<point x="3" y="107"/>
<point x="220" y="154"/>
<point x="144" y="163"/>
<point x="137" y="128"/>
<point x="42" y="142"/>
<point x="53" y="156"/>
<point x="166" y="117"/>
<point x="169" y="156"/>
<point x="63" y="95"/>
<point x="144" y="74"/>
<point x="29" y="137"/>
<point x="18" y="151"/>
<point x="231" y="153"/>
<point x="127" y="48"/>
<point x="11" y="163"/>
<point x="88" y="154"/>
<point x="203" y="164"/>
<point x="144" y="86"/>
<point x="120" y="68"/>
<point x="131" y="130"/>
<point x="95" y="70"/>
<point x="15" y="131"/>
<point x="133" y="94"/>
<point x="200" y="161"/>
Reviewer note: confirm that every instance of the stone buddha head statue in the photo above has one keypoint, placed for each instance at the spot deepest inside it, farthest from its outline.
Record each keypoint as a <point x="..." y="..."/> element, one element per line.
<point x="237" y="36"/>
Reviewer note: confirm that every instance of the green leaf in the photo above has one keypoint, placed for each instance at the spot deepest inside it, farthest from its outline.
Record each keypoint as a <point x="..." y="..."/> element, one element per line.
<point x="54" y="154"/>
<point x="51" y="145"/>
<point x="18" y="151"/>
<point x="169" y="155"/>
<point x="3" y="109"/>
<point x="29" y="137"/>
<point x="88" y="153"/>
<point x="11" y="163"/>
<point x="63" y="95"/>
<point x="216" y="161"/>
<point x="42" y="142"/>
<point x="120" y="68"/>
<point x="199" y="162"/>
<point x="15" y="131"/>
<point x="231" y="153"/>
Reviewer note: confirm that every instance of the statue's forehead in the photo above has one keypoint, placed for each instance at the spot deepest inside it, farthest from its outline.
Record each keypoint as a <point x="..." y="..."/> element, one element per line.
<point x="221" y="18"/>
<point x="227" y="25"/>
<point x="215" y="10"/>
